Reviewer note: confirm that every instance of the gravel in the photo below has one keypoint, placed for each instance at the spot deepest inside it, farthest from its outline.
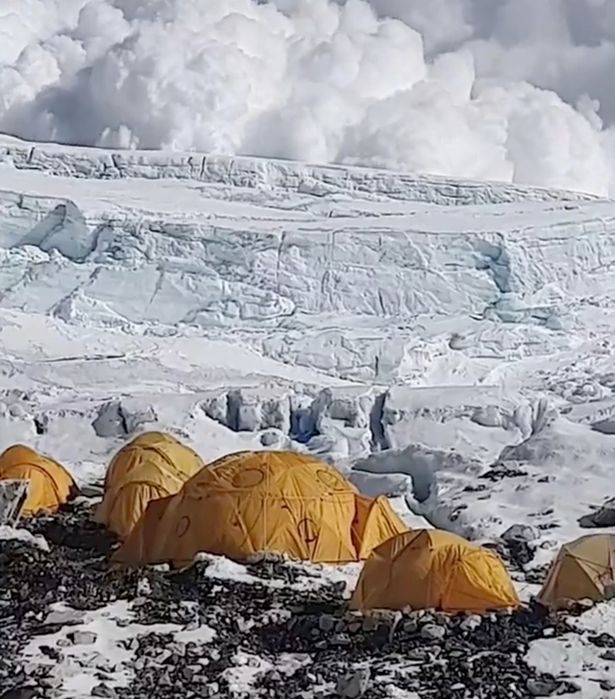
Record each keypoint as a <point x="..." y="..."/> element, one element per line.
<point x="344" y="653"/>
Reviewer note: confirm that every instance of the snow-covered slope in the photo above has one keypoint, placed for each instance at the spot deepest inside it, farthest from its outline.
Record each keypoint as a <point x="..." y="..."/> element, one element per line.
<point x="447" y="343"/>
<point x="370" y="317"/>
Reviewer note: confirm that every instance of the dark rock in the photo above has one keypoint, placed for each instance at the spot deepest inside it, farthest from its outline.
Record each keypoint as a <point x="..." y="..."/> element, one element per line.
<point x="541" y="687"/>
<point x="82" y="638"/>
<point x="567" y="687"/>
<point x="432" y="632"/>
<point x="471" y="623"/>
<point x="520" y="532"/>
<point x="603" y="517"/>
<point x="326" y="623"/>
<point x="410" y="626"/>
<point x="499" y="471"/>
<point x="21" y="693"/>
<point x="256" y="619"/>
<point x="603" y="640"/>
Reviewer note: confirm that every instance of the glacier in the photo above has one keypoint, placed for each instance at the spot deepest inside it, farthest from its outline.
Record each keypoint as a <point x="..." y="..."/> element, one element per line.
<point x="446" y="343"/>
<point x="391" y="323"/>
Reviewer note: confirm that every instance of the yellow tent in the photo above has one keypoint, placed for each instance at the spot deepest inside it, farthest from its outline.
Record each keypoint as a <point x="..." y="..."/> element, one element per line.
<point x="374" y="522"/>
<point x="430" y="568"/>
<point x="583" y="569"/>
<point x="151" y="466"/>
<point x="51" y="485"/>
<point x="250" y="502"/>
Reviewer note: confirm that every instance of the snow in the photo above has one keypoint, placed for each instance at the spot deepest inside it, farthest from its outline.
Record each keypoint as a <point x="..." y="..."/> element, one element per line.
<point x="311" y="576"/>
<point x="575" y="657"/>
<point x="18" y="534"/>
<point x="411" y="330"/>
<point x="512" y="90"/>
<point x="109" y="655"/>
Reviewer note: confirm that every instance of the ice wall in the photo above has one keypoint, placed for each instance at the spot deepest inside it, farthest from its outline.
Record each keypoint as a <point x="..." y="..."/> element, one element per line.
<point x="358" y="273"/>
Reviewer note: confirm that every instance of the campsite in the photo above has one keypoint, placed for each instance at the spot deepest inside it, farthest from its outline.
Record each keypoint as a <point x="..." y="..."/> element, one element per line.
<point x="238" y="554"/>
<point x="307" y="342"/>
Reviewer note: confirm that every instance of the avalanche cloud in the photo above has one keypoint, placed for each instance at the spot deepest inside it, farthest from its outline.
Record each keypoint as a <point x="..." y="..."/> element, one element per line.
<point x="509" y="90"/>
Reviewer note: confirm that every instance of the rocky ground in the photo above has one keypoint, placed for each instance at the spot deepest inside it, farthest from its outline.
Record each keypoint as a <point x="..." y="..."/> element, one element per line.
<point x="274" y="631"/>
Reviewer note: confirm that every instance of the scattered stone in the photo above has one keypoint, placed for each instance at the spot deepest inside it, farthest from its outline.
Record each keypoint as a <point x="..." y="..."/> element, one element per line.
<point x="308" y="622"/>
<point x="420" y="654"/>
<point x="21" y="693"/>
<point x="603" y="640"/>
<point x="499" y="471"/>
<point x="50" y="682"/>
<point x="471" y="622"/>
<point x="432" y="632"/>
<point x="340" y="639"/>
<point x="326" y="623"/>
<point x="410" y="626"/>
<point x="82" y="638"/>
<point x="579" y="607"/>
<point x="103" y="690"/>
<point x="520" y="532"/>
<point x="353" y="685"/>
<point x="541" y="687"/>
<point x="603" y="517"/>
<point x="478" y="488"/>
<point x="569" y="688"/>
<point x="64" y="617"/>
<point x="537" y="575"/>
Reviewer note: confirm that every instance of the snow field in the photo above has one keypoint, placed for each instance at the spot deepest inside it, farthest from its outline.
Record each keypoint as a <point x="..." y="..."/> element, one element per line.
<point x="413" y="331"/>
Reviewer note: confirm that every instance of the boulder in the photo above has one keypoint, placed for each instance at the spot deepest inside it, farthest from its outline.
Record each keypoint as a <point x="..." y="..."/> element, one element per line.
<point x="433" y="632"/>
<point x="603" y="517"/>
<point x="353" y="685"/>
<point x="520" y="532"/>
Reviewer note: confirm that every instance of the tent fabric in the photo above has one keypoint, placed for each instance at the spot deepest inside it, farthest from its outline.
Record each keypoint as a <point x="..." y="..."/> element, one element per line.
<point x="433" y="569"/>
<point x="151" y="466"/>
<point x="252" y="502"/>
<point x="375" y="522"/>
<point x="582" y="569"/>
<point x="50" y="484"/>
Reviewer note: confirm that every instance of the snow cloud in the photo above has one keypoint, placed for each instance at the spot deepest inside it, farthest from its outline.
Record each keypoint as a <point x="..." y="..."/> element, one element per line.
<point x="494" y="89"/>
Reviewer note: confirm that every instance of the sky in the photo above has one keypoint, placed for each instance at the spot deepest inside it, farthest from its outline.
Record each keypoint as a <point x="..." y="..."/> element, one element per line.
<point x="513" y="90"/>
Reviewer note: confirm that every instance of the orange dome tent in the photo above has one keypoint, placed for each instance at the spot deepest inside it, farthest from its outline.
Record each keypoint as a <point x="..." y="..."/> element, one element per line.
<point x="583" y="569"/>
<point x="50" y="484"/>
<point x="430" y="568"/>
<point x="251" y="502"/>
<point x="151" y="466"/>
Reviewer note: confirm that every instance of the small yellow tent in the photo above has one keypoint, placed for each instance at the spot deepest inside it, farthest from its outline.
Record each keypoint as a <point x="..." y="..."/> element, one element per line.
<point x="430" y="568"/>
<point x="151" y="466"/>
<point x="250" y="502"/>
<point x="583" y="569"/>
<point x="50" y="484"/>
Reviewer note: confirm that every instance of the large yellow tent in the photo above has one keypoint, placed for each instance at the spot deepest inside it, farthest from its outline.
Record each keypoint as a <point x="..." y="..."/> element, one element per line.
<point x="251" y="502"/>
<point x="583" y="569"/>
<point x="151" y="466"/>
<point x="430" y="568"/>
<point x="50" y="484"/>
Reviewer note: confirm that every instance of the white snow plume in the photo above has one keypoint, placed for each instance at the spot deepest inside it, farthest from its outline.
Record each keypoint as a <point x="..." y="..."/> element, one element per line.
<point x="510" y="90"/>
